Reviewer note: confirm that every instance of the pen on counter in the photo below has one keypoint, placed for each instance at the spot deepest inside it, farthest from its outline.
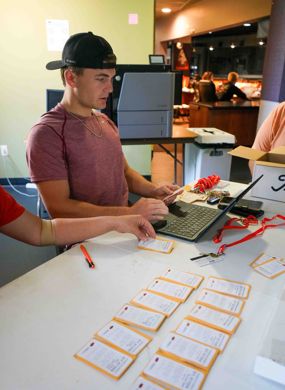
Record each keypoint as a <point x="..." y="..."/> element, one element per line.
<point x="87" y="256"/>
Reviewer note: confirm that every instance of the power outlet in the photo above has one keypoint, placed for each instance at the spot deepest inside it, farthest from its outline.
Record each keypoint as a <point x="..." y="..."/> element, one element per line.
<point x="4" y="150"/>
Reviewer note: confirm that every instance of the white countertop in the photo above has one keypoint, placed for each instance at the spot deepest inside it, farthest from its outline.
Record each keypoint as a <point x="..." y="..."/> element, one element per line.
<point x="48" y="314"/>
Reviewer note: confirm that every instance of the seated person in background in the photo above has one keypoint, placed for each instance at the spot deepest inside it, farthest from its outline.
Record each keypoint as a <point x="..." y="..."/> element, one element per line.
<point x="271" y="133"/>
<point x="229" y="88"/>
<point x="207" y="89"/>
<point x="18" y="223"/>
<point x="74" y="153"/>
<point x="195" y="85"/>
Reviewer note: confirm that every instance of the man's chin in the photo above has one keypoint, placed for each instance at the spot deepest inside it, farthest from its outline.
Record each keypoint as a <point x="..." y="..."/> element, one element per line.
<point x="100" y="105"/>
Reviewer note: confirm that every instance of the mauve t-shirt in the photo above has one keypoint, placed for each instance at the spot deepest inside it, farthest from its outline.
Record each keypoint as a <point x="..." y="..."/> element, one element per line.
<point x="61" y="147"/>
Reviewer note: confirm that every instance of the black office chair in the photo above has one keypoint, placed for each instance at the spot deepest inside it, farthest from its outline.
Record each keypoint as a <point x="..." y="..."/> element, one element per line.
<point x="207" y="91"/>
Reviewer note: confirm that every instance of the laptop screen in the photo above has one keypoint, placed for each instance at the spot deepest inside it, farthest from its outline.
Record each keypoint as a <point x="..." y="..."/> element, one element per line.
<point x="241" y="195"/>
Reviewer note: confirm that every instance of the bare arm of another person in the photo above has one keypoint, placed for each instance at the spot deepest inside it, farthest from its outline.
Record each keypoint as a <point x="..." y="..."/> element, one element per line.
<point x="32" y="230"/>
<point x="264" y="137"/>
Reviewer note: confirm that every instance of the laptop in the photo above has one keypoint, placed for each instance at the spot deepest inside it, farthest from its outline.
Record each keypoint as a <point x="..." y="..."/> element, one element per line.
<point x="191" y="222"/>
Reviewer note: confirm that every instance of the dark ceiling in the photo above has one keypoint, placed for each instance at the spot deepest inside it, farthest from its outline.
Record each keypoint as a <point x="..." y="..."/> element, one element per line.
<point x="240" y="30"/>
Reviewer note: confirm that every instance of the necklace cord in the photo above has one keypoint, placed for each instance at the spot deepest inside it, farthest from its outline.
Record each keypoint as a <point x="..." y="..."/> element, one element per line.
<point x="92" y="131"/>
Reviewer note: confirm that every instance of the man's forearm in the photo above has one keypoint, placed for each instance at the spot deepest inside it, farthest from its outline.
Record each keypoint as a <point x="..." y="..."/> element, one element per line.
<point x="71" y="208"/>
<point x="138" y="184"/>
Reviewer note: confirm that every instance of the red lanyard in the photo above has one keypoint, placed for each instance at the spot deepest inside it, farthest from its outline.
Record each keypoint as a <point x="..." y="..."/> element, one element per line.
<point x="206" y="183"/>
<point x="250" y="220"/>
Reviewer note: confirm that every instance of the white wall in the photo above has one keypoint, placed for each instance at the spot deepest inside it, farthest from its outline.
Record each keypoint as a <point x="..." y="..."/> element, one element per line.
<point x="23" y="77"/>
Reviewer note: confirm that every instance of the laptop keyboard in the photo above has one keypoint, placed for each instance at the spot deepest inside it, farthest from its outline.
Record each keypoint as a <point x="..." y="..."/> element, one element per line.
<point x="193" y="221"/>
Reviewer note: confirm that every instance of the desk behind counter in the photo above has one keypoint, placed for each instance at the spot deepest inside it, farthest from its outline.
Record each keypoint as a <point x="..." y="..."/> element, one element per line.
<point x="180" y="135"/>
<point x="238" y="118"/>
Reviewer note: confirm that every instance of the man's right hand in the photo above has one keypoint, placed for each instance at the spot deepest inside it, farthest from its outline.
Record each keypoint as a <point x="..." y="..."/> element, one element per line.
<point x="151" y="209"/>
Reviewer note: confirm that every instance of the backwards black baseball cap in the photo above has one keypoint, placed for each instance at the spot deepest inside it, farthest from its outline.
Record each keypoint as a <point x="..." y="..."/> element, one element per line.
<point x="85" y="50"/>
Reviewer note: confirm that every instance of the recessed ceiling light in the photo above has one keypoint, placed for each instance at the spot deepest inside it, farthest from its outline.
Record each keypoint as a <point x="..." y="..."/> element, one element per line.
<point x="247" y="24"/>
<point x="166" y="10"/>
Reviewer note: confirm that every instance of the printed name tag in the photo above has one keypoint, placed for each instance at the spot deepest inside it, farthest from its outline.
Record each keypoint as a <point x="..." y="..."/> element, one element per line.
<point x="220" y="301"/>
<point x="124" y="338"/>
<point x="187" y="278"/>
<point x="214" y="318"/>
<point x="168" y="372"/>
<point x="142" y="318"/>
<point x="150" y="300"/>
<point x="104" y="358"/>
<point x="229" y="287"/>
<point x="263" y="258"/>
<point x="157" y="245"/>
<point x="171" y="290"/>
<point x="203" y="334"/>
<point x="189" y="351"/>
<point x="271" y="269"/>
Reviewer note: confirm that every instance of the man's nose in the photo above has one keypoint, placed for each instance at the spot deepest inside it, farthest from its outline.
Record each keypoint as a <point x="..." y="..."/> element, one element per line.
<point x="109" y="86"/>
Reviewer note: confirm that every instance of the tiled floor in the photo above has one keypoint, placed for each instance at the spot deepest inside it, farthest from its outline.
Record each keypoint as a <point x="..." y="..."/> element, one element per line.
<point x="163" y="169"/>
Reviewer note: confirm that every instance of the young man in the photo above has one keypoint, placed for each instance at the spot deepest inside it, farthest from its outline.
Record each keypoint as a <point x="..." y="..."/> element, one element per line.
<point x="230" y="89"/>
<point x="74" y="153"/>
<point x="20" y="224"/>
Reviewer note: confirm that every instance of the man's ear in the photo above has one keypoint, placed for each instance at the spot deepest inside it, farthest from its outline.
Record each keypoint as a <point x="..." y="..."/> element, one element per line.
<point x="70" y="78"/>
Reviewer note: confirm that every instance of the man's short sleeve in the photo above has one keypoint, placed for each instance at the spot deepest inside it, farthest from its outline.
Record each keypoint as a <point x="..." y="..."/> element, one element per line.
<point x="46" y="154"/>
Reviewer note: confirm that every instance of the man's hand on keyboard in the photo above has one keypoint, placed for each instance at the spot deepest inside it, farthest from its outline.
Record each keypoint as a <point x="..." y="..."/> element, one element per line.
<point x="151" y="209"/>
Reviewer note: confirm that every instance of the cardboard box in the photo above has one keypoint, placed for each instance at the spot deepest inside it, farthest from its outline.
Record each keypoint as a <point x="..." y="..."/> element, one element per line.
<point x="272" y="166"/>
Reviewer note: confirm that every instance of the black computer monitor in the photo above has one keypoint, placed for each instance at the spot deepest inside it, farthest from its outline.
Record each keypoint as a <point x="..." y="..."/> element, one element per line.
<point x="156" y="59"/>
<point x="53" y="96"/>
<point x="178" y="87"/>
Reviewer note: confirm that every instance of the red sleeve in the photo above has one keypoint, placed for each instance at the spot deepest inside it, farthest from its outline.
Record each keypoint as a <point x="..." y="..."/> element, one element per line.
<point x="9" y="208"/>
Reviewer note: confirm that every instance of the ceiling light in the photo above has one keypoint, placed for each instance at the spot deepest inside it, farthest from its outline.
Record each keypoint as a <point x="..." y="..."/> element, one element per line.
<point x="210" y="32"/>
<point x="247" y="24"/>
<point x="179" y="45"/>
<point x="166" y="10"/>
<point x="211" y="48"/>
<point x="232" y="46"/>
<point x="261" y="42"/>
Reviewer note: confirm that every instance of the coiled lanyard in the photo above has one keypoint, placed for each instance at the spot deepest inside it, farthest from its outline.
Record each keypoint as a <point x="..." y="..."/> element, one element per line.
<point x="266" y="223"/>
